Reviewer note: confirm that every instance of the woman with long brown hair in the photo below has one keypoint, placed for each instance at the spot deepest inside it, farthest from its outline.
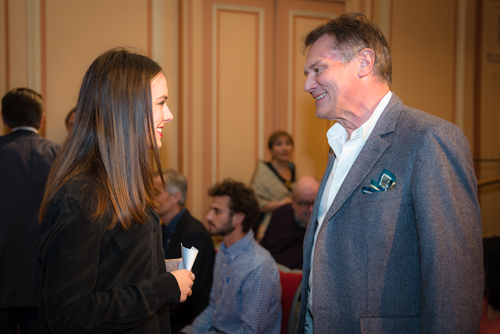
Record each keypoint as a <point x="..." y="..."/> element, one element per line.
<point x="100" y="242"/>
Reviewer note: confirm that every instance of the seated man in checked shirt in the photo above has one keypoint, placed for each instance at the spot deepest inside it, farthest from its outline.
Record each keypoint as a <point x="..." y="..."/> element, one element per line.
<point x="246" y="290"/>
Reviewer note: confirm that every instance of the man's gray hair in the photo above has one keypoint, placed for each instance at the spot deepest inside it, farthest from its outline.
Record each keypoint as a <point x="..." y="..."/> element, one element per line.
<point x="175" y="182"/>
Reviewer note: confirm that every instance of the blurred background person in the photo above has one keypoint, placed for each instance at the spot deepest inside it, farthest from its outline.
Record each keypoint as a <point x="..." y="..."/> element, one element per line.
<point x="285" y="234"/>
<point x="25" y="159"/>
<point x="70" y="119"/>
<point x="490" y="321"/>
<point x="272" y="181"/>
<point x="100" y="241"/>
<point x="179" y="227"/>
<point x="246" y="292"/>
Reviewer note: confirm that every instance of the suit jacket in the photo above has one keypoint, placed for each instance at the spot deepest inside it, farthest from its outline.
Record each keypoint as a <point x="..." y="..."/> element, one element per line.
<point x="25" y="159"/>
<point x="97" y="280"/>
<point x="407" y="260"/>
<point x="191" y="232"/>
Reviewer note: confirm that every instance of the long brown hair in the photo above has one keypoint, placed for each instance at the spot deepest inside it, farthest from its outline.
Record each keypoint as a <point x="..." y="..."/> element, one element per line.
<point x="112" y="139"/>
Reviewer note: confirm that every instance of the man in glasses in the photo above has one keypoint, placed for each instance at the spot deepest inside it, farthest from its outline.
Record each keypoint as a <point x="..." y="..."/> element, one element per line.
<point x="285" y="234"/>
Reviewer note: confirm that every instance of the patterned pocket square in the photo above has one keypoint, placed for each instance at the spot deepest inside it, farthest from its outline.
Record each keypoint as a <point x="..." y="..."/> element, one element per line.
<point x="386" y="181"/>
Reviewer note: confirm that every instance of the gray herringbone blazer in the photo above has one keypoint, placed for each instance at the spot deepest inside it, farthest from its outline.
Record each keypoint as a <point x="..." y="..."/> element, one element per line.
<point x="407" y="260"/>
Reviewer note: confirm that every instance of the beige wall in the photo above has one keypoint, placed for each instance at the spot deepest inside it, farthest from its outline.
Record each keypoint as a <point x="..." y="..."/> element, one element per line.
<point x="234" y="70"/>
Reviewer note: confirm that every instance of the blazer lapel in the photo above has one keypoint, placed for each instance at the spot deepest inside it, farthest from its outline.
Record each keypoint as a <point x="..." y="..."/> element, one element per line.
<point x="313" y="223"/>
<point x="371" y="152"/>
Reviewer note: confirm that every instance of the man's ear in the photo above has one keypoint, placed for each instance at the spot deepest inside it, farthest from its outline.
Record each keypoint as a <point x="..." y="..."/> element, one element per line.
<point x="238" y="218"/>
<point x="366" y="59"/>
<point x="177" y="197"/>
<point x="42" y="120"/>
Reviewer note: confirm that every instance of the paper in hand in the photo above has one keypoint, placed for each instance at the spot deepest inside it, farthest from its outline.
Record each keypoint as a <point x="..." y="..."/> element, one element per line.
<point x="172" y="264"/>
<point x="188" y="257"/>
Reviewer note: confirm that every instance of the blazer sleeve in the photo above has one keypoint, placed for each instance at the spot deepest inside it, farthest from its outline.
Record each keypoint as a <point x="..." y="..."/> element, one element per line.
<point x="69" y="250"/>
<point x="448" y="223"/>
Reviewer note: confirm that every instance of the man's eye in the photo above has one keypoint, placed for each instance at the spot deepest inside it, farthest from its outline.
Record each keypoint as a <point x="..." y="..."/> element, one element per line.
<point x="316" y="70"/>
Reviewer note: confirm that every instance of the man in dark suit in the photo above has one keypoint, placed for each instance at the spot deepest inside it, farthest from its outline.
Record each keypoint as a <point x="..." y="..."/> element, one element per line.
<point x="394" y="242"/>
<point x="25" y="159"/>
<point x="178" y="226"/>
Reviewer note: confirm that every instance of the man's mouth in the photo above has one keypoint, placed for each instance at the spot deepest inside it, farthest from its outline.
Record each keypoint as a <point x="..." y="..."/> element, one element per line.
<point x="320" y="96"/>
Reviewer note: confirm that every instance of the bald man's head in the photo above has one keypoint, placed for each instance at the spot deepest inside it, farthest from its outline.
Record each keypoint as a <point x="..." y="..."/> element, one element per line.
<point x="303" y="194"/>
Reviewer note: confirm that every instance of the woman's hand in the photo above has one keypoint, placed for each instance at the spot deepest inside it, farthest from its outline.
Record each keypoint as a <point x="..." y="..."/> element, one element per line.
<point x="185" y="280"/>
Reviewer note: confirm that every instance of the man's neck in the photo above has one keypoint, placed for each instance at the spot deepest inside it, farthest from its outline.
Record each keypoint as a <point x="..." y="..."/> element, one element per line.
<point x="233" y="237"/>
<point x="364" y="108"/>
<point x="167" y="217"/>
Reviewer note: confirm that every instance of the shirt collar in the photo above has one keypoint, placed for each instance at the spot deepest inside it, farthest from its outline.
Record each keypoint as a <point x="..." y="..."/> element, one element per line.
<point x="239" y="246"/>
<point x="28" y="128"/>
<point x="337" y="134"/>
<point x="170" y="228"/>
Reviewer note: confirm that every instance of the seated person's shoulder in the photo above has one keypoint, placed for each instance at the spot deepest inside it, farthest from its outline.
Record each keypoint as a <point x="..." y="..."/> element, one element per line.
<point x="264" y="259"/>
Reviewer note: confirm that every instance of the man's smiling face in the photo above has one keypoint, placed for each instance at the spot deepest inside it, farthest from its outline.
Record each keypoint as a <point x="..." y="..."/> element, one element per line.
<point x="331" y="83"/>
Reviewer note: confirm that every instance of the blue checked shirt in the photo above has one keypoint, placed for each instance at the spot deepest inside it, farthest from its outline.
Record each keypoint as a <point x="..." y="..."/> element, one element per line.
<point x="246" y="292"/>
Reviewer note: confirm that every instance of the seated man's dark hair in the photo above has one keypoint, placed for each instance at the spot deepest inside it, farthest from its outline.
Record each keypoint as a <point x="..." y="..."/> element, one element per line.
<point x="22" y="107"/>
<point x="242" y="200"/>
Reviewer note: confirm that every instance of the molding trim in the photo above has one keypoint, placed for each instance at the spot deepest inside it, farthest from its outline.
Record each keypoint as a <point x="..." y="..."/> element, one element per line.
<point x="34" y="45"/>
<point x="260" y="81"/>
<point x="157" y="29"/>
<point x="385" y="19"/>
<point x="460" y="63"/>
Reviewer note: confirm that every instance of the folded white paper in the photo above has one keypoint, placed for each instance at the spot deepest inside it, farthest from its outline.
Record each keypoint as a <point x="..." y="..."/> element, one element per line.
<point x="188" y="257"/>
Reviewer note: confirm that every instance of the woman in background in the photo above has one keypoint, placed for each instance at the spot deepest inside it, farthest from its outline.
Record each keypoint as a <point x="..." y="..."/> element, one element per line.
<point x="100" y="242"/>
<point x="272" y="181"/>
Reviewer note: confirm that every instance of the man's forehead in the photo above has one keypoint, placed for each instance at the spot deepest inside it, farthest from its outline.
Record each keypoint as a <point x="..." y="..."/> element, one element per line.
<point x="316" y="55"/>
<point x="324" y="54"/>
<point x="220" y="202"/>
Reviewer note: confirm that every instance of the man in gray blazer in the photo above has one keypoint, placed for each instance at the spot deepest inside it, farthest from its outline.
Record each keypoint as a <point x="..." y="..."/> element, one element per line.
<point x="394" y="243"/>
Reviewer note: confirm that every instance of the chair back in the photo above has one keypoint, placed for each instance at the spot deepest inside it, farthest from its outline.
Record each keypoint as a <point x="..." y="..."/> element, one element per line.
<point x="290" y="291"/>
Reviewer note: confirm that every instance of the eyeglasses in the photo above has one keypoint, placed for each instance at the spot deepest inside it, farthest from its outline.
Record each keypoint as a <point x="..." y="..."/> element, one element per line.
<point x="304" y="204"/>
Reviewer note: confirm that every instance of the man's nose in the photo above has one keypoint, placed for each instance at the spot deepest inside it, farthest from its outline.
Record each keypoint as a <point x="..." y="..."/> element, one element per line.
<point x="310" y="84"/>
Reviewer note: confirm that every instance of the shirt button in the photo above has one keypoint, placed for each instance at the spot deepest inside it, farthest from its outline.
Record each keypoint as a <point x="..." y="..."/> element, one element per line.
<point x="224" y="265"/>
<point x="220" y="283"/>
<point x="337" y="188"/>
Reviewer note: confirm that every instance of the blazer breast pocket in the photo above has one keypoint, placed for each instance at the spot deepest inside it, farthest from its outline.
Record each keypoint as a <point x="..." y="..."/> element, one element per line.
<point x="383" y="195"/>
<point x="379" y="207"/>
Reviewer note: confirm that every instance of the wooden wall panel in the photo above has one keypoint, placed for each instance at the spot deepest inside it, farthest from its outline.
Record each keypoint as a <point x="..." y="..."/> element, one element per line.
<point x="18" y="44"/>
<point x="424" y="55"/>
<point x="74" y="41"/>
<point x="237" y="93"/>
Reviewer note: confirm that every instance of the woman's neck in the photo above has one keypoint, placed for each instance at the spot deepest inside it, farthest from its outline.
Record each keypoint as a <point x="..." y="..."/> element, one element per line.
<point x="279" y="164"/>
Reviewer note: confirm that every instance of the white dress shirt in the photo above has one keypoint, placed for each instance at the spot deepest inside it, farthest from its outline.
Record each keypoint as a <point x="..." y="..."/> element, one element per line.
<point x="346" y="152"/>
<point x="29" y="128"/>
